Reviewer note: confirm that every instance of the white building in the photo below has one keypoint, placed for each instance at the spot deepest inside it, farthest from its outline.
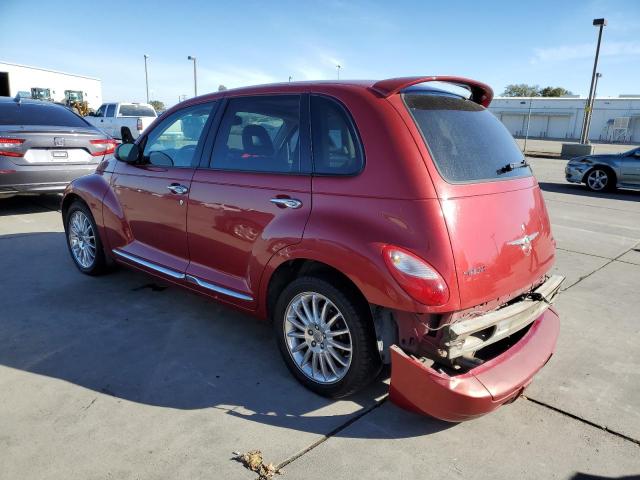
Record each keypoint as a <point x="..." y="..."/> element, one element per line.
<point x="613" y="119"/>
<point x="16" y="78"/>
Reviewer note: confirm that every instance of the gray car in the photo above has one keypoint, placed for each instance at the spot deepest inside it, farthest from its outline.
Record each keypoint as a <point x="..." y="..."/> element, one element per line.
<point x="606" y="172"/>
<point x="43" y="146"/>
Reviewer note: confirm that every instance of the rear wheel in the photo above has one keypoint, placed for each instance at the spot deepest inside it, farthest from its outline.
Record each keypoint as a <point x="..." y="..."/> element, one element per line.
<point x="83" y="240"/>
<point x="325" y="337"/>
<point x="600" y="180"/>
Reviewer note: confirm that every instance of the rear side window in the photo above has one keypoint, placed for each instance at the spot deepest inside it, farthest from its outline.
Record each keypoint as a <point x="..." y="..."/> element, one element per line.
<point x="467" y="142"/>
<point x="336" y="148"/>
<point x="12" y="113"/>
<point x="136" y="111"/>
<point x="259" y="134"/>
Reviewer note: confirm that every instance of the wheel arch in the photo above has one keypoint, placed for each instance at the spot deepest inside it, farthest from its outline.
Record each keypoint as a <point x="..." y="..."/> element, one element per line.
<point x="289" y="270"/>
<point x="602" y="166"/>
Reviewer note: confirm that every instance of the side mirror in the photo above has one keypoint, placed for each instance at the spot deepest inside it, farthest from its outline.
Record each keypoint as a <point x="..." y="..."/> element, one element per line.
<point x="126" y="135"/>
<point x="127" y="152"/>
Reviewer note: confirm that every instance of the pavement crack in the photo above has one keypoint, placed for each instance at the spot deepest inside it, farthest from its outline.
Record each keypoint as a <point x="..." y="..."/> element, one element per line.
<point x="332" y="433"/>
<point x="89" y="406"/>
<point x="583" y="420"/>
<point x="610" y="261"/>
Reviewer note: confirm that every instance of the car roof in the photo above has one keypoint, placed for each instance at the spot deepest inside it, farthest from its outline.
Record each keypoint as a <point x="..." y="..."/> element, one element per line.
<point x="480" y="92"/>
<point x="30" y="101"/>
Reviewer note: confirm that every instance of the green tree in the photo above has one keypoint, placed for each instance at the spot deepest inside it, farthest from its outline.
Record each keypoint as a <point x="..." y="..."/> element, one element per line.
<point x="157" y="105"/>
<point x="221" y="88"/>
<point x="554" y="92"/>
<point x="521" y="90"/>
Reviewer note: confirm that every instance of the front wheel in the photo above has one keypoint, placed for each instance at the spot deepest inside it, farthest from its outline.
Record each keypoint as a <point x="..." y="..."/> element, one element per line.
<point x="83" y="240"/>
<point x="326" y="337"/>
<point x="599" y="180"/>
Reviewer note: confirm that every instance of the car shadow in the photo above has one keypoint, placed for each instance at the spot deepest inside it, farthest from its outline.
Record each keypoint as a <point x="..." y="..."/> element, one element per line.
<point x="588" y="476"/>
<point x="133" y="337"/>
<point x="21" y="205"/>
<point x="581" y="190"/>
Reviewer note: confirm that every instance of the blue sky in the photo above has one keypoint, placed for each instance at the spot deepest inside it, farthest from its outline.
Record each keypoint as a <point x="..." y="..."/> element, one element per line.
<point x="249" y="42"/>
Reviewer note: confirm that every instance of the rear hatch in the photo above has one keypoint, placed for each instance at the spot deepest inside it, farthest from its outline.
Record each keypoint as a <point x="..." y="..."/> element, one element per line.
<point x="494" y="211"/>
<point x="52" y="145"/>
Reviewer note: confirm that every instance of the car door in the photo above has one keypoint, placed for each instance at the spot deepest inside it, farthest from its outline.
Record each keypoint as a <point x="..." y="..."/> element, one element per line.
<point x="109" y="119"/>
<point x="99" y="115"/>
<point x="153" y="192"/>
<point x="630" y="168"/>
<point x="252" y="198"/>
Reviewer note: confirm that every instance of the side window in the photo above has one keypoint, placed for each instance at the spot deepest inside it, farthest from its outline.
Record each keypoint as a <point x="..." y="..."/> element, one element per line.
<point x="336" y="147"/>
<point x="259" y="134"/>
<point x="173" y="143"/>
<point x="100" y="112"/>
<point x="111" y="110"/>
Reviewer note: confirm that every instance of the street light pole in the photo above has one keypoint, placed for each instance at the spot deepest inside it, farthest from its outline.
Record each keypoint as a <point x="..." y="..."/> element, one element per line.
<point x="195" y="76"/>
<point x="586" y="121"/>
<point x="526" y="135"/>
<point x="338" y="67"/>
<point x="146" y="75"/>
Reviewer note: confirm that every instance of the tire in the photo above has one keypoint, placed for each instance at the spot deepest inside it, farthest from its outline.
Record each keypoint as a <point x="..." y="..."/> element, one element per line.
<point x="330" y="370"/>
<point x="78" y="226"/>
<point x="600" y="180"/>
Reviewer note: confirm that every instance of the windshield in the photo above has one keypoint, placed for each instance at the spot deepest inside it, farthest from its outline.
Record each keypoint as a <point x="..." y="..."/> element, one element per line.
<point x="136" y="111"/>
<point x="466" y="141"/>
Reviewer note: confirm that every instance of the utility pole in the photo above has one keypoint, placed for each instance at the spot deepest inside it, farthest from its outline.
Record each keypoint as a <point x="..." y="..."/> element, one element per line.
<point x="526" y="135"/>
<point x="195" y="76"/>
<point x="146" y="75"/>
<point x="586" y="121"/>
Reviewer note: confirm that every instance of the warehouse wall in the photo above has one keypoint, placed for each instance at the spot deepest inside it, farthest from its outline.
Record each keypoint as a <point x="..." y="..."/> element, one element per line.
<point x="23" y="78"/>
<point x="561" y="118"/>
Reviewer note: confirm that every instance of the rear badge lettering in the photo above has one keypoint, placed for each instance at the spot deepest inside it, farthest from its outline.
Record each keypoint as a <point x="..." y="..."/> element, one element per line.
<point x="475" y="270"/>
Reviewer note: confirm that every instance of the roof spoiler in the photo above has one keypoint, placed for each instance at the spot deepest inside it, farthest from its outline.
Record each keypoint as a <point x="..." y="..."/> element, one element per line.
<point x="480" y="93"/>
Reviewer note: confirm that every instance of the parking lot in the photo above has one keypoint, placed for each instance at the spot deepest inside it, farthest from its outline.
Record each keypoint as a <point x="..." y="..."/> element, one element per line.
<point x="123" y="377"/>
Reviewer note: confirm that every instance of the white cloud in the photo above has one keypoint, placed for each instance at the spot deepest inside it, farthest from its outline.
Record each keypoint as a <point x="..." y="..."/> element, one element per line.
<point x="584" y="50"/>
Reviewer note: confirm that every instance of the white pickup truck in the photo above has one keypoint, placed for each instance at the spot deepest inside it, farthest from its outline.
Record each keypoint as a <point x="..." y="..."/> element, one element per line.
<point x="110" y="117"/>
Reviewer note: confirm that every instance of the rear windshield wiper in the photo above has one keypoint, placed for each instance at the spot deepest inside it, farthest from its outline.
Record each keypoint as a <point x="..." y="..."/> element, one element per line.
<point x="509" y="167"/>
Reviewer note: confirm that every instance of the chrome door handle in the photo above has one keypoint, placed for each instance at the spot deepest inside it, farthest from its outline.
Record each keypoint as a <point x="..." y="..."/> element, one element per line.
<point x="287" y="202"/>
<point x="178" y="189"/>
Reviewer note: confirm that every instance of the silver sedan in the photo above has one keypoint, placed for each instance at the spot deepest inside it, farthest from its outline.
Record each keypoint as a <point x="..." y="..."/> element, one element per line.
<point x="606" y="172"/>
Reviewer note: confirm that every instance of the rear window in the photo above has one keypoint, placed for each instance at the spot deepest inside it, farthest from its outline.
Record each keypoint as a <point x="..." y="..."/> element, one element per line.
<point x="136" y="111"/>
<point x="39" y="114"/>
<point x="466" y="141"/>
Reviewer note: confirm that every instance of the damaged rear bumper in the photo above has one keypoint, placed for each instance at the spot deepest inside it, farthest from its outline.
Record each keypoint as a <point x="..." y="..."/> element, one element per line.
<point x="418" y="387"/>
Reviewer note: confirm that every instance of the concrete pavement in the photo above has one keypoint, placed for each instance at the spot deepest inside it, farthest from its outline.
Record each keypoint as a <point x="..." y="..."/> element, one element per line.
<point x="123" y="377"/>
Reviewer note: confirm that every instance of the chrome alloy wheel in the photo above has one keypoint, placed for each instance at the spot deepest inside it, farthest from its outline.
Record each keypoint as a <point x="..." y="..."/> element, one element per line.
<point x="82" y="239"/>
<point x="598" y="179"/>
<point x="318" y="338"/>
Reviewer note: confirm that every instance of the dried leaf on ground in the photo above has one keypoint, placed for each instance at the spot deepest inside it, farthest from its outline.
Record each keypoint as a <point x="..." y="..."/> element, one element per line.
<point x="253" y="461"/>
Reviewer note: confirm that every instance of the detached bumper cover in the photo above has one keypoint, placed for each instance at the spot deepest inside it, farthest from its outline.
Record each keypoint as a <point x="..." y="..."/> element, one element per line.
<point x="417" y="387"/>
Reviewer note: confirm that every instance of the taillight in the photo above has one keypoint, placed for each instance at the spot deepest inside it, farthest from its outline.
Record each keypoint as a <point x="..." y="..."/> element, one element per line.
<point x="416" y="277"/>
<point x="9" y="147"/>
<point x="105" y="146"/>
<point x="139" y="126"/>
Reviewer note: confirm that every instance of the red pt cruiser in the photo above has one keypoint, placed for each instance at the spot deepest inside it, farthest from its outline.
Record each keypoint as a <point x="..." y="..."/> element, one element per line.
<point x="371" y="222"/>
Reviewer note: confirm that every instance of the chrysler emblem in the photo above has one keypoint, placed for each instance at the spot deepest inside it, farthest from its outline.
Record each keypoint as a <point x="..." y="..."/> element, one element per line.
<point x="525" y="242"/>
<point x="58" y="141"/>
